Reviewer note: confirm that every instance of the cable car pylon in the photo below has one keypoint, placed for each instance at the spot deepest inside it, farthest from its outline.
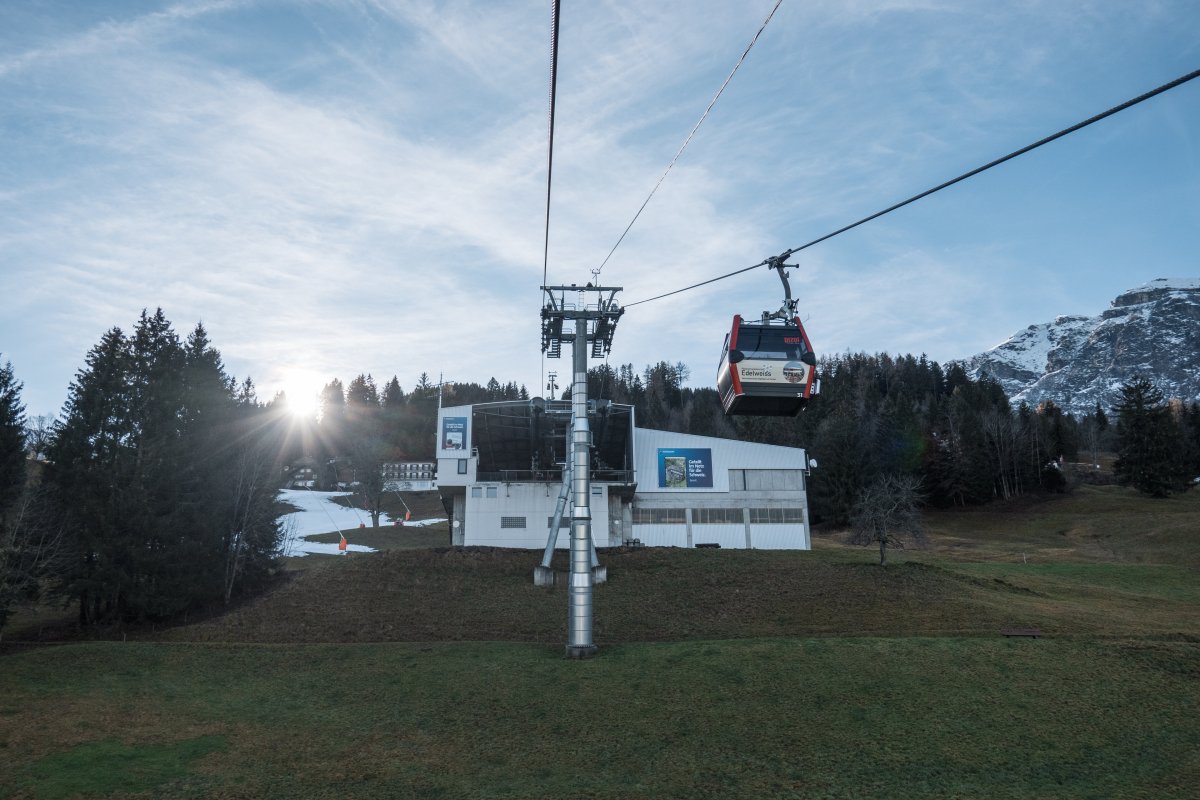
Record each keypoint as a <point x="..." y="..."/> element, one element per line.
<point x="591" y="326"/>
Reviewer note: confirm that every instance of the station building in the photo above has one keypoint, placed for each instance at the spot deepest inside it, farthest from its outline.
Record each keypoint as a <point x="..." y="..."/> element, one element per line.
<point x="500" y="473"/>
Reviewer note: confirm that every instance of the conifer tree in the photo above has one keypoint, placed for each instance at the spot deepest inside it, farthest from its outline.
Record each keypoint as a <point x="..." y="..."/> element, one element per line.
<point x="14" y="575"/>
<point x="12" y="441"/>
<point x="1191" y="427"/>
<point x="89" y="464"/>
<point x="1150" y="455"/>
<point x="362" y="393"/>
<point x="393" y="395"/>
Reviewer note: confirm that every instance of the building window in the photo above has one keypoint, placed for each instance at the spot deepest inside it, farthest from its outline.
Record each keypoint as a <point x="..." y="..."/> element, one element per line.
<point x="512" y="522"/>
<point x="476" y="491"/>
<point x="787" y="480"/>
<point x="776" y="516"/>
<point x="462" y="466"/>
<point x="659" y="516"/>
<point x="717" y="516"/>
<point x="492" y="491"/>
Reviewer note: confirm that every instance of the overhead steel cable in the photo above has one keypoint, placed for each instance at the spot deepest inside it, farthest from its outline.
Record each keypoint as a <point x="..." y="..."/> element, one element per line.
<point x="554" y="9"/>
<point x="786" y="253"/>
<point x="687" y="141"/>
<point x="554" y="15"/>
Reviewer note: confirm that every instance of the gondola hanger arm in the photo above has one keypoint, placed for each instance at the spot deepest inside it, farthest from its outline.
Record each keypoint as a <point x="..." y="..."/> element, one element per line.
<point x="788" y="310"/>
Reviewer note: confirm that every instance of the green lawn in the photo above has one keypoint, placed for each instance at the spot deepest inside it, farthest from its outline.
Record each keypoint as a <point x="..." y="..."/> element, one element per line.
<point x="803" y="717"/>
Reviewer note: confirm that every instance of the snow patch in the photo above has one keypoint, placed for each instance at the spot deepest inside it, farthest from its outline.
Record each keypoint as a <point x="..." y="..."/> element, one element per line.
<point x="319" y="514"/>
<point x="1185" y="284"/>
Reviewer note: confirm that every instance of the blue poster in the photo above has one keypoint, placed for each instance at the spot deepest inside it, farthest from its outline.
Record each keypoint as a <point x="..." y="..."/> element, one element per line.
<point x="685" y="468"/>
<point x="454" y="433"/>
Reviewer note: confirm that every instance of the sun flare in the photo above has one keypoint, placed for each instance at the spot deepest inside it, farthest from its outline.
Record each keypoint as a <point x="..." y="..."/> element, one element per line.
<point x="302" y="390"/>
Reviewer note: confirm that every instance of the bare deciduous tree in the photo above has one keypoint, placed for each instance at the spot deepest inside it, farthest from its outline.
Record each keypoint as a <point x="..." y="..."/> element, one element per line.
<point x="251" y="524"/>
<point x="887" y="513"/>
<point x="38" y="433"/>
<point x="31" y="551"/>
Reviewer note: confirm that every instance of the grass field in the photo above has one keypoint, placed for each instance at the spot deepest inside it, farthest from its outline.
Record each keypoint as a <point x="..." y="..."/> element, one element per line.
<point x="435" y="672"/>
<point x="821" y="718"/>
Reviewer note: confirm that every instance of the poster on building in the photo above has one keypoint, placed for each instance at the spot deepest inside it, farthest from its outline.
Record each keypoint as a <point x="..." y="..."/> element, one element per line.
<point x="454" y="433"/>
<point x="685" y="468"/>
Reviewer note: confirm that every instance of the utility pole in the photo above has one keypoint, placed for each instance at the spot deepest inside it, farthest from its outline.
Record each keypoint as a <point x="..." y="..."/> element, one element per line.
<point x="591" y="323"/>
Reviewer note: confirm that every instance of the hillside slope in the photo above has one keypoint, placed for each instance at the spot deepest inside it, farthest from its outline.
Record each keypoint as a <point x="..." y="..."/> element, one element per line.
<point x="1102" y="561"/>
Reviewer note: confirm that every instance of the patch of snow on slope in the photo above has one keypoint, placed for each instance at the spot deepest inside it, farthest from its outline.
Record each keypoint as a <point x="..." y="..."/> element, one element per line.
<point x="1028" y="349"/>
<point x="319" y="514"/>
<point x="1184" y="284"/>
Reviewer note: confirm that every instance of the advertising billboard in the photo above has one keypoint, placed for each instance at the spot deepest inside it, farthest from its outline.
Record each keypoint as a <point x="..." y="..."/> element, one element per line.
<point x="685" y="468"/>
<point x="454" y="433"/>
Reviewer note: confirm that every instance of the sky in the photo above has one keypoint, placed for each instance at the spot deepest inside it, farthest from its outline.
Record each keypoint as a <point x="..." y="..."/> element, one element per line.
<point x="336" y="187"/>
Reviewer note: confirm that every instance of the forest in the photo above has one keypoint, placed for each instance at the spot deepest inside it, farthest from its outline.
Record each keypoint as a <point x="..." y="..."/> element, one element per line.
<point x="155" y="490"/>
<point x="877" y="415"/>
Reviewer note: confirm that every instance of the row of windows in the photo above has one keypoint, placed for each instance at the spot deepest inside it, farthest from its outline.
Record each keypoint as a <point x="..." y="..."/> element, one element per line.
<point x="659" y="516"/>
<point x="791" y="480"/>
<point x="718" y="516"/>
<point x="492" y="491"/>
<point x="776" y="516"/>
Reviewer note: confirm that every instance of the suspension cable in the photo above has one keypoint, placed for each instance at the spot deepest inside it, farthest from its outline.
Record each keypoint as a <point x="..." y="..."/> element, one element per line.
<point x="554" y="17"/>
<point x="687" y="141"/>
<point x="1078" y="126"/>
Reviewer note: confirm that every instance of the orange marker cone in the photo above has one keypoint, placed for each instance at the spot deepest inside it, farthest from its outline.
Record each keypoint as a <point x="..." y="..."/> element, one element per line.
<point x="342" y="545"/>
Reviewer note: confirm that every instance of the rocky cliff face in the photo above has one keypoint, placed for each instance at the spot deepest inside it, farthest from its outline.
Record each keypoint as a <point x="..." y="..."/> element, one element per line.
<point x="1153" y="330"/>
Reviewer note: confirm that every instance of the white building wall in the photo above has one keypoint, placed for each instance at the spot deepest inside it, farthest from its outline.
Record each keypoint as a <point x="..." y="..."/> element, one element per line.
<point x="661" y="535"/>
<point x="485" y="515"/>
<point x="726" y="454"/>
<point x="724" y="535"/>
<point x="775" y="474"/>
<point x="779" y="537"/>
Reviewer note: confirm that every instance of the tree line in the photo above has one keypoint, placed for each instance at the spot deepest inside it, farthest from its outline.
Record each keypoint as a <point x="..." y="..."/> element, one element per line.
<point x="155" y="491"/>
<point x="878" y="417"/>
<point x="882" y="416"/>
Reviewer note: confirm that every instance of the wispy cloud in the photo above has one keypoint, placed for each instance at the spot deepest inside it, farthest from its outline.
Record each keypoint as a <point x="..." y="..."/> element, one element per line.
<point x="344" y="187"/>
<point x="112" y="35"/>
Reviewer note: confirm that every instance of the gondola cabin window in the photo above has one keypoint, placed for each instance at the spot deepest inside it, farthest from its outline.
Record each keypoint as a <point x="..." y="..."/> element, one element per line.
<point x="777" y="344"/>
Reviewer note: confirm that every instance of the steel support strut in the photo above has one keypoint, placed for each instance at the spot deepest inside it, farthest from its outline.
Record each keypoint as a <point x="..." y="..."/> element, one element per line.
<point x="579" y="590"/>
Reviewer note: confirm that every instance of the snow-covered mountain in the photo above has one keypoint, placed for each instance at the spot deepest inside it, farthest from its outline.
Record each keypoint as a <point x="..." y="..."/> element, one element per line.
<point x="1153" y="330"/>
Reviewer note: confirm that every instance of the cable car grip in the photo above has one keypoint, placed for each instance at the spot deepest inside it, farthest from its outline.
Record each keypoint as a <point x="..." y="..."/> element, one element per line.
<point x="788" y="310"/>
